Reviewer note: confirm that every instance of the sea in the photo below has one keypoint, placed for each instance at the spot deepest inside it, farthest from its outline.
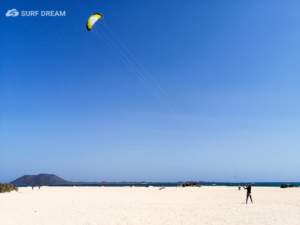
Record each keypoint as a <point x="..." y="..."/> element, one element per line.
<point x="168" y="184"/>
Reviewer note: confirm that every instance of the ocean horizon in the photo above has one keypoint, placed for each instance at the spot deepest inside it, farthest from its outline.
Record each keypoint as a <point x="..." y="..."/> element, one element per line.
<point x="171" y="184"/>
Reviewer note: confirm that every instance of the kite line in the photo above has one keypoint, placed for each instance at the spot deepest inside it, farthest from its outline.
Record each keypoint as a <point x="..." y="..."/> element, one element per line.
<point x="97" y="26"/>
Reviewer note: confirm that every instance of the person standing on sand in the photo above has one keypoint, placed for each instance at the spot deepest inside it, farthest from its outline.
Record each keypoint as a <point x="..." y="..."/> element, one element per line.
<point x="248" y="192"/>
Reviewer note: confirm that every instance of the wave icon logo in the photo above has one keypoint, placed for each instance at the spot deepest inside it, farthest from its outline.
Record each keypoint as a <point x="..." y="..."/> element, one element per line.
<point x="12" y="13"/>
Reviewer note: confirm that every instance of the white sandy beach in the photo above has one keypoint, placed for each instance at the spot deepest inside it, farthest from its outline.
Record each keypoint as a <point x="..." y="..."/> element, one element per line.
<point x="141" y="205"/>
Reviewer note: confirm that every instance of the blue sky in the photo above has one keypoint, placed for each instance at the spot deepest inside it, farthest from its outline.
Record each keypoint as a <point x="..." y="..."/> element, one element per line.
<point x="71" y="107"/>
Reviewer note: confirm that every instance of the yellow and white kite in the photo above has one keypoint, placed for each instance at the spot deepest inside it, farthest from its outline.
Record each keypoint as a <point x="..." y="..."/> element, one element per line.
<point x="92" y="20"/>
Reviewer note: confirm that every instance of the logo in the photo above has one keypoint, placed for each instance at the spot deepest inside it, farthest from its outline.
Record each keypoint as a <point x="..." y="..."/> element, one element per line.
<point x="12" y="13"/>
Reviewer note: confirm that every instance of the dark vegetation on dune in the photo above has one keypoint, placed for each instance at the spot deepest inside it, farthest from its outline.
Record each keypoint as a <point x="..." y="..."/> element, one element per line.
<point x="7" y="187"/>
<point x="288" y="185"/>
<point x="189" y="184"/>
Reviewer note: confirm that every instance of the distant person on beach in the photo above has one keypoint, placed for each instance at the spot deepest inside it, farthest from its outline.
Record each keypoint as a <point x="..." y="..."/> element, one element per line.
<point x="248" y="188"/>
<point x="32" y="187"/>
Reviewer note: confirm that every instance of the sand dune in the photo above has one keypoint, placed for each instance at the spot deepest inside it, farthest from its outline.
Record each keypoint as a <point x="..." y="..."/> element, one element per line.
<point x="140" y="205"/>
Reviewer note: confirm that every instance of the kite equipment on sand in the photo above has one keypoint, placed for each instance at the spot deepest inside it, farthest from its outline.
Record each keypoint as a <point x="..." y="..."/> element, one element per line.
<point x="92" y="20"/>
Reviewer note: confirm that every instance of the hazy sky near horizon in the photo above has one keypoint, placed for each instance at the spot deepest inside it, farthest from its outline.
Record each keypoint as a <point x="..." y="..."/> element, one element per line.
<point x="69" y="106"/>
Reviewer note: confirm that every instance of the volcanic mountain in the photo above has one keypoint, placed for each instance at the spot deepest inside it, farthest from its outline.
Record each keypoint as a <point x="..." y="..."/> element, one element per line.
<point x="41" y="179"/>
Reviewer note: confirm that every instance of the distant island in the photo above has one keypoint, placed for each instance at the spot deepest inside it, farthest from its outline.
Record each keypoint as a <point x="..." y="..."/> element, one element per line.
<point x="41" y="179"/>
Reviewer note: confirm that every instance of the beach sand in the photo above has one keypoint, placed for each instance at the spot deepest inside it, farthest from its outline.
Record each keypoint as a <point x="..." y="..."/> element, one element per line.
<point x="141" y="205"/>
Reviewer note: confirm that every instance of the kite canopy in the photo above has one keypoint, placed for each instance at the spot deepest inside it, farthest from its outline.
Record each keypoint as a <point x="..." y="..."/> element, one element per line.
<point x="92" y="20"/>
